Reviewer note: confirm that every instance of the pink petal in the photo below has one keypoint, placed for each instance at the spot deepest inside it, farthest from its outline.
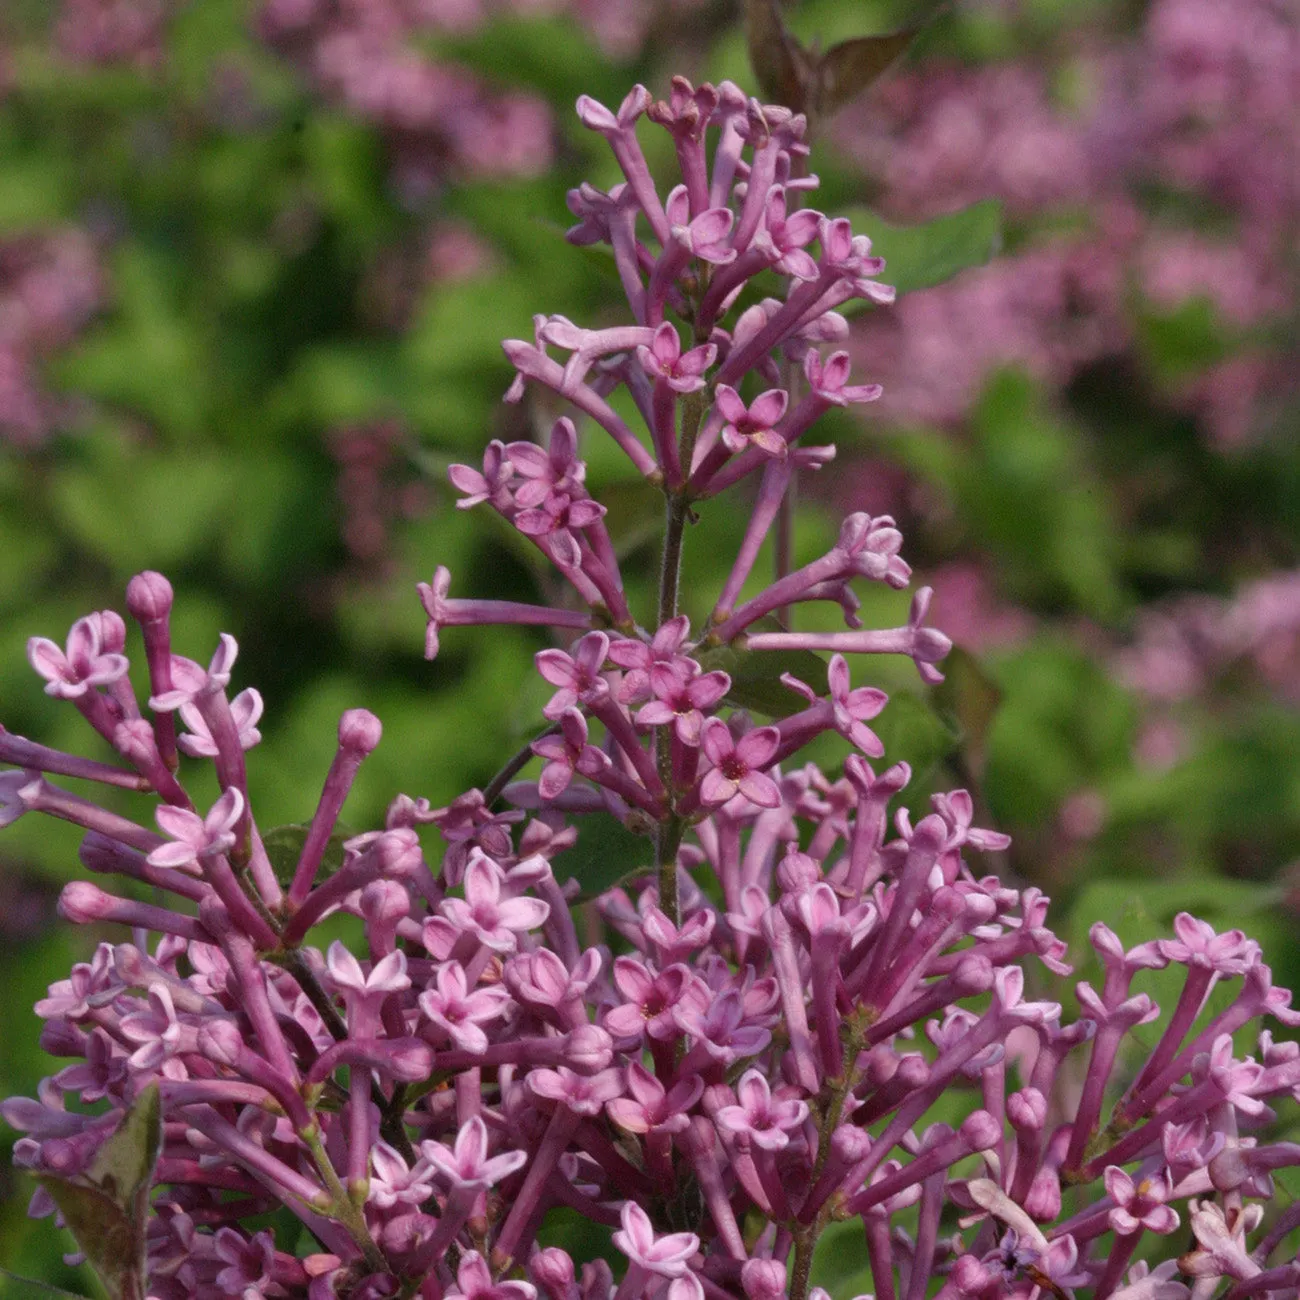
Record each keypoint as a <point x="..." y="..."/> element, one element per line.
<point x="757" y="747"/>
<point x="344" y="968"/>
<point x="716" y="788"/>
<point x="555" y="666"/>
<point x="729" y="404"/>
<point x="770" y="443"/>
<point x="716" y="741"/>
<point x="767" y="408"/>
<point x="760" y="789"/>
<point x="801" y="227"/>
<point x="175" y="854"/>
<point x="523" y="913"/>
<point x="46" y="658"/>
<point x="181" y="824"/>
<point x="554" y="780"/>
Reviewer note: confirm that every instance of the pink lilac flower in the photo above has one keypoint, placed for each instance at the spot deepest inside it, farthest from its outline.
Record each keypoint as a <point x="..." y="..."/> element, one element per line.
<point x="81" y="666"/>
<point x="195" y="837"/>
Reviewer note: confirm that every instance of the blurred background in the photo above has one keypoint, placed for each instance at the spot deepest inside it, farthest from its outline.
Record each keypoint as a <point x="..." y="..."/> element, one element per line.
<point x="255" y="263"/>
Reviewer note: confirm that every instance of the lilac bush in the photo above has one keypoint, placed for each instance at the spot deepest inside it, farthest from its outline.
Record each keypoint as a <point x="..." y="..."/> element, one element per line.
<point x="1159" y="165"/>
<point x="800" y="1014"/>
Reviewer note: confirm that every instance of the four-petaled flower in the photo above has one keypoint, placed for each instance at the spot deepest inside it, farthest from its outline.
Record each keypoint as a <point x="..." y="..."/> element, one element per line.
<point x="753" y="425"/>
<point x="467" y="1165"/>
<point x="245" y="708"/>
<point x="584" y="1094"/>
<point x="577" y="674"/>
<point x="664" y="359"/>
<point x="639" y="657"/>
<point x="1139" y="1205"/>
<point x="394" y="1182"/>
<point x="1229" y="953"/>
<point x="496" y="922"/>
<point x="566" y="754"/>
<point x="853" y="708"/>
<point x="720" y="1028"/>
<point x="684" y="692"/>
<point x="83" y="664"/>
<point x="457" y="1011"/>
<point x="783" y="236"/>
<point x="668" y="1256"/>
<point x="737" y="765"/>
<point x="651" y="998"/>
<point x="767" y="1123"/>
<point x="557" y="469"/>
<point x="157" y="1030"/>
<point x="492" y="484"/>
<point x="248" y="1263"/>
<point x="195" y="837"/>
<point x="830" y="380"/>
<point x="651" y="1107"/>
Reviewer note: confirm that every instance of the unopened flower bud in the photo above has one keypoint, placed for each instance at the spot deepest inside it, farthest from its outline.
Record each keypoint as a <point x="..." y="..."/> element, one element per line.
<point x="797" y="872"/>
<point x="552" y="1272"/>
<point x="409" y="1060"/>
<point x="83" y="903"/>
<point x="112" y="632"/>
<point x="763" y="1279"/>
<point x="981" y="1131"/>
<point x="398" y="853"/>
<point x="220" y="1040"/>
<point x="384" y="902"/>
<point x="360" y="731"/>
<point x="589" y="1049"/>
<point x="1027" y="1108"/>
<point x="149" y="597"/>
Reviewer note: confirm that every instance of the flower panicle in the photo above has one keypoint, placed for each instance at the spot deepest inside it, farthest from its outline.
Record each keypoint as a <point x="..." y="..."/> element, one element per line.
<point x="759" y="1028"/>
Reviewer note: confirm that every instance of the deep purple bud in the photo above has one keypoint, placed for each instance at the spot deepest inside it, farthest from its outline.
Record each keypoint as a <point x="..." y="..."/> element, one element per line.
<point x="552" y="1273"/>
<point x="763" y="1279"/>
<point x="220" y="1040"/>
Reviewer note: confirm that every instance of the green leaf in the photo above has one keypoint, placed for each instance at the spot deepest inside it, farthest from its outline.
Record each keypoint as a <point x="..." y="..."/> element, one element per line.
<point x="106" y="1208"/>
<point x="921" y="256"/>
<point x="839" y="1261"/>
<point x="123" y="1165"/>
<point x="284" y="845"/>
<point x="26" y="1288"/>
<point x="783" y="68"/>
<point x="605" y="854"/>
<point x="849" y="68"/>
<point x="756" y="677"/>
<point x="636" y="514"/>
<point x="1183" y="340"/>
<point x="968" y="700"/>
<point x="33" y="191"/>
<point x="913" y="732"/>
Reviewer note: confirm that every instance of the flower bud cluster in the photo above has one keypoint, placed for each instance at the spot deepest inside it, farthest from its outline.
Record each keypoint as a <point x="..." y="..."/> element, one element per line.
<point x="809" y="1010"/>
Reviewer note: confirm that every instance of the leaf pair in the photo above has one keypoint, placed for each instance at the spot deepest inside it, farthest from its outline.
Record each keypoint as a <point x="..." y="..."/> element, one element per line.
<point x="808" y="81"/>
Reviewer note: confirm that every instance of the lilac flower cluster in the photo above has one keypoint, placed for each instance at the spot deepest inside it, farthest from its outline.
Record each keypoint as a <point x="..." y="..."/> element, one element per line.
<point x="432" y="113"/>
<point x="1198" y="104"/>
<point x="435" y="115"/>
<point x="50" y="286"/>
<point x="112" y="31"/>
<point x="804" y="1012"/>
